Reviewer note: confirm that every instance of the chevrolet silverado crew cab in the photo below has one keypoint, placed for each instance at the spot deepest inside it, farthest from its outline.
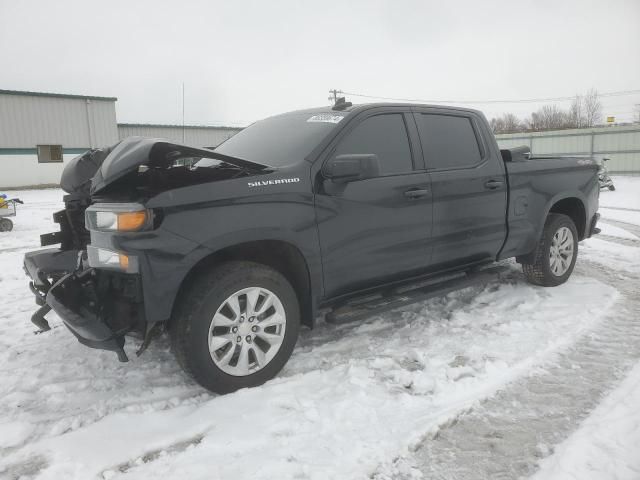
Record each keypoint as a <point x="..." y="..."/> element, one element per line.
<point x="232" y="249"/>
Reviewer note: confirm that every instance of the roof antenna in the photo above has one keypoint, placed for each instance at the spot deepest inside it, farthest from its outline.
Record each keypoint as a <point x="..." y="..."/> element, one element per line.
<point x="341" y="104"/>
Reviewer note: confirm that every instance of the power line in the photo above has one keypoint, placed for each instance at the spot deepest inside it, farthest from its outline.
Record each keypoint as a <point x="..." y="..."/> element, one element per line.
<point x="528" y="100"/>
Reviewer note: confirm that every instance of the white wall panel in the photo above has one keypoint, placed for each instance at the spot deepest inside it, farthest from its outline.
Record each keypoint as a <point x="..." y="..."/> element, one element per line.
<point x="24" y="170"/>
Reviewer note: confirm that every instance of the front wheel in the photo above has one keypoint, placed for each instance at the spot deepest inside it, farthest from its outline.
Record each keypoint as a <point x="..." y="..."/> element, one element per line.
<point x="555" y="257"/>
<point x="236" y="326"/>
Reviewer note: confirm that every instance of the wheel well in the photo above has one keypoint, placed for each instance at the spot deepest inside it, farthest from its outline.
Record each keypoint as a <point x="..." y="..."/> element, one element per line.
<point x="281" y="256"/>
<point x="574" y="209"/>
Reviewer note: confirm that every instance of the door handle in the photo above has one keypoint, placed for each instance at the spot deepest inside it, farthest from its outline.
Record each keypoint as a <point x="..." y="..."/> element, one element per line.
<point x="493" y="184"/>
<point x="416" y="193"/>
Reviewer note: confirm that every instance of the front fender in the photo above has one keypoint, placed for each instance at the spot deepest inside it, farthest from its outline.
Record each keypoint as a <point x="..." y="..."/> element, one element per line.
<point x="210" y="227"/>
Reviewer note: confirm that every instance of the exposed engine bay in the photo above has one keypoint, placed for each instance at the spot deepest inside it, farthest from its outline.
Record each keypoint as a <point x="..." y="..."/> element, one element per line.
<point x="134" y="170"/>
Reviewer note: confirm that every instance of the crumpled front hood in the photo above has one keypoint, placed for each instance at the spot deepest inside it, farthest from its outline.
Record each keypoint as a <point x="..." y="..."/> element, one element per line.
<point x="78" y="172"/>
<point x="133" y="152"/>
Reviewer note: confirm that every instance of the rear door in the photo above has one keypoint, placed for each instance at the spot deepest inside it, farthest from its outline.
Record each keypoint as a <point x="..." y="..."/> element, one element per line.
<point x="375" y="230"/>
<point x="469" y="188"/>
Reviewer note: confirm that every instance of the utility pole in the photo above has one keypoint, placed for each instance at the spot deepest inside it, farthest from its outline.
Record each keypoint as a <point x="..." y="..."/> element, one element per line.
<point x="334" y="95"/>
<point x="183" y="130"/>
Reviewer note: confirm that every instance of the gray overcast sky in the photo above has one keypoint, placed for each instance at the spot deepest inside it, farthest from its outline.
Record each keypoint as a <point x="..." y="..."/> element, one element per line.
<point x="244" y="60"/>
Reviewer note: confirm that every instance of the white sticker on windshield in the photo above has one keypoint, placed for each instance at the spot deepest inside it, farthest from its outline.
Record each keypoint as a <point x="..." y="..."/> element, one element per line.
<point x="326" y="118"/>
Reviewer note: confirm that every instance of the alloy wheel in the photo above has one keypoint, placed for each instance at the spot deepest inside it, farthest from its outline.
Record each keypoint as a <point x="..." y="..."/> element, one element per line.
<point x="561" y="251"/>
<point x="247" y="331"/>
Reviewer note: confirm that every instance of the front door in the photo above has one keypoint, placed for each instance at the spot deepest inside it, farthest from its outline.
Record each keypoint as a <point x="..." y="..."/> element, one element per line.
<point x="375" y="230"/>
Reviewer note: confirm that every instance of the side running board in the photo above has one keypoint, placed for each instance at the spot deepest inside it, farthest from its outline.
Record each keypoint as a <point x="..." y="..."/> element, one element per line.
<point x="368" y="306"/>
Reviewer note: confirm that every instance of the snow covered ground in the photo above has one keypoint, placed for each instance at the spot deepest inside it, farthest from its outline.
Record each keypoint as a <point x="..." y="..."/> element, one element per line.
<point x="377" y="399"/>
<point x="606" y="445"/>
<point x="623" y="204"/>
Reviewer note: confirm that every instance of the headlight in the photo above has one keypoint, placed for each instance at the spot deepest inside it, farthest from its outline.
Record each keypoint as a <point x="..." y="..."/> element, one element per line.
<point x="118" y="217"/>
<point x="104" y="258"/>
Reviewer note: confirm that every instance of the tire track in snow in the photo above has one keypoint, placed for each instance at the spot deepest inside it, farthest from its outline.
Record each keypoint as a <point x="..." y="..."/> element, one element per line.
<point x="631" y="227"/>
<point x="629" y="242"/>
<point x="506" y="435"/>
<point x="622" y="208"/>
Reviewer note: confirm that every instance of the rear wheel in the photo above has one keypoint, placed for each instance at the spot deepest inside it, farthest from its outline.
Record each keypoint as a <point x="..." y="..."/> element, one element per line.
<point x="555" y="257"/>
<point x="236" y="326"/>
<point x="6" y="225"/>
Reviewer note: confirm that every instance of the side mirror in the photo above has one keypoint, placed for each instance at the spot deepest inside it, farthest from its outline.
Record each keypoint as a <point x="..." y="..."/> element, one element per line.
<point x="352" y="166"/>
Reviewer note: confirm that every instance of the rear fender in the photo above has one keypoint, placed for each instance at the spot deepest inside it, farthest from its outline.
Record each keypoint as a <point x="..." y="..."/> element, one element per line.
<point x="572" y="194"/>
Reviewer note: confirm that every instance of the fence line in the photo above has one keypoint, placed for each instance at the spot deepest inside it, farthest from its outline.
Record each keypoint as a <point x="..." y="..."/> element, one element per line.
<point x="619" y="143"/>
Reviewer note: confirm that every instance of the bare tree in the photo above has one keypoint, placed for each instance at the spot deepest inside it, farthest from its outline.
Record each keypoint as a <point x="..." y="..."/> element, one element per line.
<point x="506" y="123"/>
<point x="592" y="108"/>
<point x="576" y="112"/>
<point x="585" y="111"/>
<point x="496" y="125"/>
<point x="512" y="123"/>
<point x="548" y="117"/>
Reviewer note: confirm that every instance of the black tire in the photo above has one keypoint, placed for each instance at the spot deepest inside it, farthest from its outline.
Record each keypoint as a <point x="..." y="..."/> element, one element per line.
<point x="6" y="225"/>
<point x="612" y="188"/>
<point x="539" y="271"/>
<point x="189" y="327"/>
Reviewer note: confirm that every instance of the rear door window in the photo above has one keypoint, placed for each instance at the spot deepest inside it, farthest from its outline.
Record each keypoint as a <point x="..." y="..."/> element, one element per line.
<point x="448" y="141"/>
<point x="384" y="135"/>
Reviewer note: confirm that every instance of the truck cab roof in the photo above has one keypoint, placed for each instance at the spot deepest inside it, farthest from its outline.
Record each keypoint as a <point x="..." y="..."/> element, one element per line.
<point x="360" y="107"/>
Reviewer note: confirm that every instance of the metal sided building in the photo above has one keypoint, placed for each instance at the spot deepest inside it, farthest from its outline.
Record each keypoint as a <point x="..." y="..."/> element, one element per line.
<point x="40" y="132"/>
<point x="196" y="135"/>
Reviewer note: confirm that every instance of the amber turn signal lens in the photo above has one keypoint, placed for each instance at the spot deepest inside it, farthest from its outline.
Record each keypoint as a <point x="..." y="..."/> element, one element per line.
<point x="130" y="221"/>
<point x="124" y="262"/>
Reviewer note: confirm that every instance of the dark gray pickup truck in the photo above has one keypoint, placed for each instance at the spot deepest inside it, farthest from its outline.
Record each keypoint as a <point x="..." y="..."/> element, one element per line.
<point x="232" y="249"/>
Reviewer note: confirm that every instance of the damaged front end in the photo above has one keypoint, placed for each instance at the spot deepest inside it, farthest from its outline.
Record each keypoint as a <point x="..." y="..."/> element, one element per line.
<point x="97" y="307"/>
<point x="92" y="282"/>
<point x="47" y="267"/>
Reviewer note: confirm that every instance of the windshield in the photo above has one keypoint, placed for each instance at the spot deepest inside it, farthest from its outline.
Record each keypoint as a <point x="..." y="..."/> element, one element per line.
<point x="281" y="140"/>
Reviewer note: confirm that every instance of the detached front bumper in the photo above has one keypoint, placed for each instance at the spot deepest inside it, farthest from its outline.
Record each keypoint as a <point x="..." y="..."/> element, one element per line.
<point x="74" y="299"/>
<point x="99" y="307"/>
<point x="46" y="267"/>
<point x="41" y="265"/>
